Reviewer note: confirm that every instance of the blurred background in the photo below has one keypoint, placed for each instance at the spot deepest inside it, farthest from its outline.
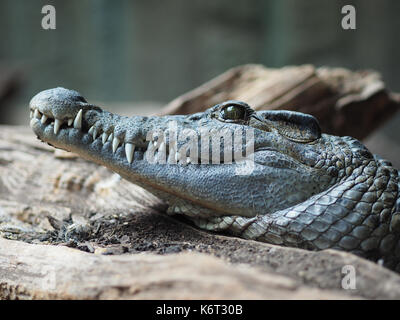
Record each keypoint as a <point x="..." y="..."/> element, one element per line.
<point x="135" y="56"/>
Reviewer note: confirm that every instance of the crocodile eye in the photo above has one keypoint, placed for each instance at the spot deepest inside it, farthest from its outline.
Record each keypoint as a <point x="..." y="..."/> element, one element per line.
<point x="234" y="113"/>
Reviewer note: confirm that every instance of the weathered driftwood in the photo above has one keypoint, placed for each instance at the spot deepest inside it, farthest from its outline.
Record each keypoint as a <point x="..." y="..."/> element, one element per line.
<point x="37" y="271"/>
<point x="51" y="200"/>
<point x="344" y="102"/>
<point x="49" y="197"/>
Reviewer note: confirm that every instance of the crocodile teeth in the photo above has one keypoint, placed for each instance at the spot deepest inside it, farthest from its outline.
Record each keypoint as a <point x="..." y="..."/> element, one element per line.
<point x="44" y="119"/>
<point x="93" y="132"/>
<point x="57" y="124"/>
<point x="115" y="144"/>
<point x="36" y="114"/>
<point x="129" y="150"/>
<point x="70" y="122"/>
<point x="104" y="137"/>
<point x="110" y="137"/>
<point x="31" y="114"/>
<point x="78" y="120"/>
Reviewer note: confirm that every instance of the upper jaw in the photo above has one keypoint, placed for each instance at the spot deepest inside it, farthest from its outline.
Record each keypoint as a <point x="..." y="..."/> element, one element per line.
<point x="83" y="131"/>
<point x="95" y="134"/>
<point x="59" y="103"/>
<point x="46" y="117"/>
<point x="59" y="108"/>
<point x="77" y="128"/>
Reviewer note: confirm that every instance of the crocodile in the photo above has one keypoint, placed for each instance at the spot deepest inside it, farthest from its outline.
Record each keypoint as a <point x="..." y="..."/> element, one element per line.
<point x="272" y="176"/>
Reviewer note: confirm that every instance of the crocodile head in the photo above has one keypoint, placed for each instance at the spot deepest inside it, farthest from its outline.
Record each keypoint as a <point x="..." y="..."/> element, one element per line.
<point x="267" y="175"/>
<point x="247" y="163"/>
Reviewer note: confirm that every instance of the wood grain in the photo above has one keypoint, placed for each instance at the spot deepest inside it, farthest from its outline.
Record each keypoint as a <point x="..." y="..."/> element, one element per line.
<point x="344" y="102"/>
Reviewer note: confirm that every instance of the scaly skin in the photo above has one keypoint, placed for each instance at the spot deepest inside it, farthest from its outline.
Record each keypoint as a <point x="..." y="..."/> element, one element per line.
<point x="305" y="189"/>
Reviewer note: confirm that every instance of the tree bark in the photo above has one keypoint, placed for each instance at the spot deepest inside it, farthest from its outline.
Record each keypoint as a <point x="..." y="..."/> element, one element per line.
<point x="344" y="102"/>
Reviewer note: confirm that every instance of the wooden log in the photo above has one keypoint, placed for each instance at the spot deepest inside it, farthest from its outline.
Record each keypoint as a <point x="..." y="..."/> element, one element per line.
<point x="344" y="102"/>
<point x="70" y="229"/>
<point x="43" y="272"/>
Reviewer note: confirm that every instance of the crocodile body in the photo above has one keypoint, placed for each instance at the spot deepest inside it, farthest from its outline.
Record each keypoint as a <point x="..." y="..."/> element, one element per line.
<point x="281" y="181"/>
